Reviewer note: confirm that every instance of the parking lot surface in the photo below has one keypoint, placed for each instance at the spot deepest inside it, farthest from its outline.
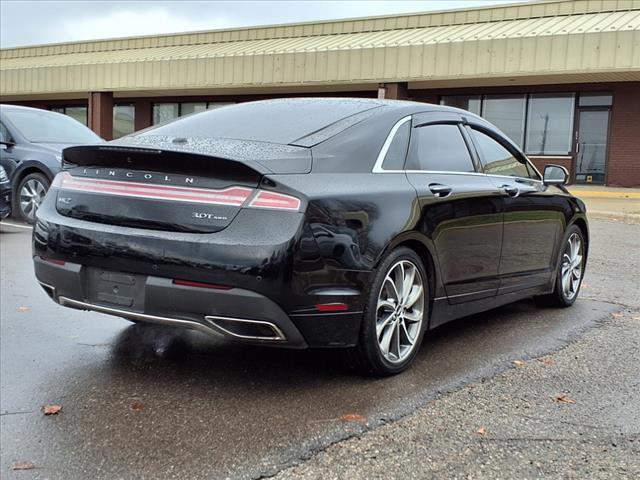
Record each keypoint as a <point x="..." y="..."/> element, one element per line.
<point x="158" y="403"/>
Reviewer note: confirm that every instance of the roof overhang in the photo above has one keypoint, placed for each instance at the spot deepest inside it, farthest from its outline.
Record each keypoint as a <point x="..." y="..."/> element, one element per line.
<point x="546" y="43"/>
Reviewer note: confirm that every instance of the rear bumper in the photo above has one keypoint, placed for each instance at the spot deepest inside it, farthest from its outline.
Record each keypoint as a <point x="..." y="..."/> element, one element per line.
<point x="237" y="314"/>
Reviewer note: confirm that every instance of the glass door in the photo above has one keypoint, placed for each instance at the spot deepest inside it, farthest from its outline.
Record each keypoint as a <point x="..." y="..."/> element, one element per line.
<point x="591" y="149"/>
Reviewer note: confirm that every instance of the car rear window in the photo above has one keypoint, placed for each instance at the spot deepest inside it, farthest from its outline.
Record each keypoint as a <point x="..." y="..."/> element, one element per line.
<point x="40" y="126"/>
<point x="275" y="121"/>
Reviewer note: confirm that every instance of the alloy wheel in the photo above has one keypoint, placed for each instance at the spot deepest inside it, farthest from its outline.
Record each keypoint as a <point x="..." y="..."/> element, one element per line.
<point x="31" y="197"/>
<point x="571" y="269"/>
<point x="400" y="311"/>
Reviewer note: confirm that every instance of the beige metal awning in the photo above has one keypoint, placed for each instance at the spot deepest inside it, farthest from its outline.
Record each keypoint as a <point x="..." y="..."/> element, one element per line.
<point x="553" y="42"/>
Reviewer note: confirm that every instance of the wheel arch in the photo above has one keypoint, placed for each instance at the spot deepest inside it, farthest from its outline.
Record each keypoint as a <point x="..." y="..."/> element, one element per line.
<point x="21" y="173"/>
<point x="581" y="223"/>
<point x="414" y="241"/>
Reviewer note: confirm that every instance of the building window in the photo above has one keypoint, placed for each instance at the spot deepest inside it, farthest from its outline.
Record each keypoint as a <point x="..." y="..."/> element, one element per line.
<point x="188" y="108"/>
<point x="550" y="124"/>
<point x="123" y="120"/>
<point x="506" y="113"/>
<point x="471" y="103"/>
<point x="541" y="124"/>
<point x="165" y="112"/>
<point x="77" y="113"/>
<point x="595" y="99"/>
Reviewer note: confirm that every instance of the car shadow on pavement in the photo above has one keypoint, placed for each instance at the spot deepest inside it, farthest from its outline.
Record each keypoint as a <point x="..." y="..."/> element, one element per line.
<point x="179" y="352"/>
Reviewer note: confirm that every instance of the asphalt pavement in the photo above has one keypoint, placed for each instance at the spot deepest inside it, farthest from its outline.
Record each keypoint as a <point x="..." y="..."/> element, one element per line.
<point x="141" y="402"/>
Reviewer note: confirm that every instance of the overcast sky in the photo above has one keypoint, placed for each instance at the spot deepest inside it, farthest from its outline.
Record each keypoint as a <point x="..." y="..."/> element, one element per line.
<point x="36" y="22"/>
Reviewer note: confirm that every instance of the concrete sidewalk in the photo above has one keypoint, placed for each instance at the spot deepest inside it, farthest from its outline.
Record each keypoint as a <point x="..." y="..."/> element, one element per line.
<point x="612" y="203"/>
<point x="599" y="191"/>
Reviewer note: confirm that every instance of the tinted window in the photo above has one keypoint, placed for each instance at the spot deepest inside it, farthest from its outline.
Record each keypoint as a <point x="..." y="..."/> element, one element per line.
<point x="123" y="120"/>
<point x="465" y="102"/>
<point x="506" y="113"/>
<point x="277" y="121"/>
<point x="397" y="153"/>
<point x="40" y="126"/>
<point x="550" y="124"/>
<point x="164" y="112"/>
<point x="496" y="159"/>
<point x="5" y="136"/>
<point x="439" y="147"/>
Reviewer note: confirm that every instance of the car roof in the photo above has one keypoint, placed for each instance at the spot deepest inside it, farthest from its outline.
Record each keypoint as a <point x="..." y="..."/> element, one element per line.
<point x="304" y="121"/>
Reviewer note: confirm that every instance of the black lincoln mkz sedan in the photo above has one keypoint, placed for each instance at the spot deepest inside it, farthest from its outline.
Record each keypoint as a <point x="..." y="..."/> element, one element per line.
<point x="353" y="223"/>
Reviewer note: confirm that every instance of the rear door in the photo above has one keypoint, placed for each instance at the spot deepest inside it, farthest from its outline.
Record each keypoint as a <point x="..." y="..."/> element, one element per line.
<point x="461" y="209"/>
<point x="533" y="215"/>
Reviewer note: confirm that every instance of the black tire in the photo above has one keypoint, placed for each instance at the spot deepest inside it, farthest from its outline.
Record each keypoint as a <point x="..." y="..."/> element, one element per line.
<point x="560" y="297"/>
<point x="33" y="179"/>
<point x="368" y="353"/>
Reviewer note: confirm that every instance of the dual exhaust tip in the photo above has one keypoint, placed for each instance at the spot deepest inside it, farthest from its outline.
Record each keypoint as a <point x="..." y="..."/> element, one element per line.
<point x="246" y="329"/>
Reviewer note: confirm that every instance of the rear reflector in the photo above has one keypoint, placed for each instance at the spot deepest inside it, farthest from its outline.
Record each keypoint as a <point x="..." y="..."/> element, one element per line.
<point x="234" y="196"/>
<point x="274" y="201"/>
<point x="332" y="307"/>
<point x="189" y="283"/>
<point x="52" y="260"/>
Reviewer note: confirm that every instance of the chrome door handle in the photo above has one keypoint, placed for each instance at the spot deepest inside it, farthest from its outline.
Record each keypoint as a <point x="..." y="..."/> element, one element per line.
<point x="439" y="190"/>
<point x="511" y="190"/>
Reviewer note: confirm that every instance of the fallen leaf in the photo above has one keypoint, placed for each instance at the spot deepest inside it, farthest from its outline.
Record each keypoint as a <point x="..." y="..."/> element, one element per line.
<point x="23" y="308"/>
<point x="547" y="361"/>
<point x="23" y="466"/>
<point x="481" y="431"/>
<point x="518" y="363"/>
<point x="353" y="417"/>
<point x="562" y="398"/>
<point x="137" y="406"/>
<point x="51" y="409"/>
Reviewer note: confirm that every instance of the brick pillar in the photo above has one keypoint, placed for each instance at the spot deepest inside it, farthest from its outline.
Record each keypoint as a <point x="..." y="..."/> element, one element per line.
<point x="101" y="114"/>
<point x="142" y="113"/>
<point x="623" y="168"/>
<point x="393" y="91"/>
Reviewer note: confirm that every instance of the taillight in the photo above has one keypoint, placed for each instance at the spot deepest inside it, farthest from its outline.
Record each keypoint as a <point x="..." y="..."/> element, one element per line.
<point x="274" y="201"/>
<point x="52" y="260"/>
<point x="190" y="283"/>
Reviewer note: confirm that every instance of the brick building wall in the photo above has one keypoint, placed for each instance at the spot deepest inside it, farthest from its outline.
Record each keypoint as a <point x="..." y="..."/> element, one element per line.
<point x="624" y="136"/>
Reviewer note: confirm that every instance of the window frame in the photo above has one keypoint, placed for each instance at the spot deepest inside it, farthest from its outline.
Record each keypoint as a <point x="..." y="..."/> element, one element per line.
<point x="452" y="122"/>
<point x="420" y="119"/>
<point x="517" y="154"/>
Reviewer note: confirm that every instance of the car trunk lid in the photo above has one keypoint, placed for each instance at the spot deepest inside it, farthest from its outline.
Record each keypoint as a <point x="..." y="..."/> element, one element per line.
<point x="154" y="188"/>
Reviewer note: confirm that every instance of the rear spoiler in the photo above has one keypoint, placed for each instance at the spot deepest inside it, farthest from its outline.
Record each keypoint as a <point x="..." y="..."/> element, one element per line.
<point x="179" y="163"/>
<point x="192" y="156"/>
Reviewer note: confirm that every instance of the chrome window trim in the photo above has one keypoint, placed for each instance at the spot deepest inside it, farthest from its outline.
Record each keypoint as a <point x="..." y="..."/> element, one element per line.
<point x="377" y="167"/>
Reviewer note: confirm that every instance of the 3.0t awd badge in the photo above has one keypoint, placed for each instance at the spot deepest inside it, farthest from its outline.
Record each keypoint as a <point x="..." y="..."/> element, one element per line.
<point x="208" y="216"/>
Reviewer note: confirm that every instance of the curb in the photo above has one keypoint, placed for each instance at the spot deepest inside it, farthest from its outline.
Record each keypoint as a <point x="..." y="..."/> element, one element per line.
<point x="633" y="218"/>
<point x="599" y="194"/>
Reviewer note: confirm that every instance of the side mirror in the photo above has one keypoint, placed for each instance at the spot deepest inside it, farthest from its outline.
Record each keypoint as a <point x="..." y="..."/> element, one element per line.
<point x="555" y="175"/>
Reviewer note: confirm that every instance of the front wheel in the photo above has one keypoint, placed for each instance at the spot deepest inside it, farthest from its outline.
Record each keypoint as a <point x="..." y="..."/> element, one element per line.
<point x="570" y="270"/>
<point x="396" y="314"/>
<point x="29" y="196"/>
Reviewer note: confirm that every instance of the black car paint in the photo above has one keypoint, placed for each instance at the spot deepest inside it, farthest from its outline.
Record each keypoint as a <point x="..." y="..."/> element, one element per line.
<point x="5" y="196"/>
<point x="349" y="219"/>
